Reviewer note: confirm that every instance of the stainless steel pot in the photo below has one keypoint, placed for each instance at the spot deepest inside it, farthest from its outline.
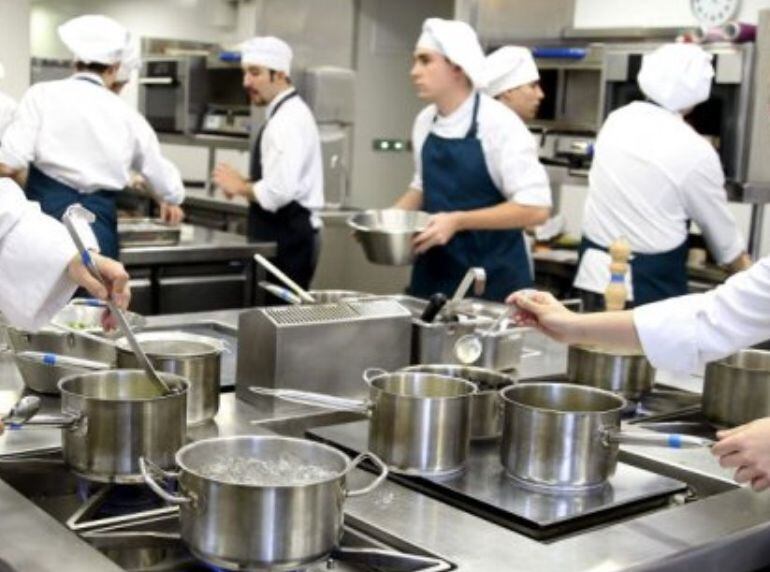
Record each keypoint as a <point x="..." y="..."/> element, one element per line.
<point x="44" y="378"/>
<point x="629" y="374"/>
<point x="195" y="358"/>
<point x="262" y="517"/>
<point x="419" y="422"/>
<point x="486" y="407"/>
<point x="736" y="389"/>
<point x="86" y="314"/>
<point x="566" y="436"/>
<point x="110" y="419"/>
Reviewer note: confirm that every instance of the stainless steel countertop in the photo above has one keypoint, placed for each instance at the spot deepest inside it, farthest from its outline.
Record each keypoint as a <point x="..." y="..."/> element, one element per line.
<point x="727" y="531"/>
<point x="205" y="245"/>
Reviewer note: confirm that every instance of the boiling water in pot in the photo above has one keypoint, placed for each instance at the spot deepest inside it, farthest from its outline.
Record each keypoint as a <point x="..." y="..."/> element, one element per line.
<point x="286" y="470"/>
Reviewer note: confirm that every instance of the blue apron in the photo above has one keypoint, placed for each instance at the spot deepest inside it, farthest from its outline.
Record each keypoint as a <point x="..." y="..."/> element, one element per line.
<point x="55" y="197"/>
<point x="455" y="178"/>
<point x="654" y="276"/>
<point x="289" y="227"/>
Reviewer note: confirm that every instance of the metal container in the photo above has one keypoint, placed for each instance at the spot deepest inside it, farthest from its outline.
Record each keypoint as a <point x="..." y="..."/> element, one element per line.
<point x="117" y="417"/>
<point x="86" y="314"/>
<point x="44" y="378"/>
<point x="419" y="422"/>
<point x="386" y="235"/>
<point x="247" y="524"/>
<point x="486" y="407"/>
<point x="736" y="389"/>
<point x="195" y="358"/>
<point x="626" y="373"/>
<point x="137" y="232"/>
<point x="554" y="434"/>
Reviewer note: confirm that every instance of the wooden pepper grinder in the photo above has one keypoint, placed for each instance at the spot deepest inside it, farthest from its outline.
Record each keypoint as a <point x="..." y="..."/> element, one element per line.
<point x="615" y="294"/>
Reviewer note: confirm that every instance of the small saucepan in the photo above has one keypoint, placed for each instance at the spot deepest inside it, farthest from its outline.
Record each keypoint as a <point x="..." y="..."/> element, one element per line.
<point x="566" y="436"/>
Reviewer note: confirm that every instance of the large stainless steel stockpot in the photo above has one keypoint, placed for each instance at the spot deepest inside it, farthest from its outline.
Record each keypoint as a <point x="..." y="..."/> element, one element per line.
<point x="44" y="378"/>
<point x="112" y="418"/>
<point x="244" y="521"/>
<point x="627" y="373"/>
<point x="566" y="436"/>
<point x="195" y="358"/>
<point x="736" y="389"/>
<point x="419" y="422"/>
<point x="486" y="407"/>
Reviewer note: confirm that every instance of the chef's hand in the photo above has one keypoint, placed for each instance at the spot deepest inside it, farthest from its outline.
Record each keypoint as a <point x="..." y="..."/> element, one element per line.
<point x="544" y="312"/>
<point x="116" y="278"/>
<point x="440" y="230"/>
<point x="172" y="214"/>
<point x="747" y="449"/>
<point x="231" y="181"/>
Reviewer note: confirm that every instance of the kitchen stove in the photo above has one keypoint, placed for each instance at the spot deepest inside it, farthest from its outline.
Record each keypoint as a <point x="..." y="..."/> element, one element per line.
<point x="484" y="489"/>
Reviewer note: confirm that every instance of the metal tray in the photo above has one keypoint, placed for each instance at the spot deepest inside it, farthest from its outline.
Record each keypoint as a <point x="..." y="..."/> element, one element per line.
<point x="147" y="232"/>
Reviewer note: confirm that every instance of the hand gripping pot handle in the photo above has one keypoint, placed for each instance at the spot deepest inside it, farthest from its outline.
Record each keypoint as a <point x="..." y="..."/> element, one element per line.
<point x="376" y="482"/>
<point x="315" y="399"/>
<point x="148" y="467"/>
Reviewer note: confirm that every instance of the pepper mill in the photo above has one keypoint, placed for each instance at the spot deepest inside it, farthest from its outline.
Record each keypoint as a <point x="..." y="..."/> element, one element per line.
<point x="615" y="294"/>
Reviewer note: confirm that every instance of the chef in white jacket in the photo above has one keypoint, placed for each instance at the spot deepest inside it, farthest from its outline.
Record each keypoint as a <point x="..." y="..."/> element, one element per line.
<point x="285" y="183"/>
<point x="80" y="140"/>
<point x="651" y="174"/>
<point x="513" y="79"/>
<point x="7" y="107"/>
<point x="476" y="170"/>
<point x="680" y="334"/>
<point x="39" y="264"/>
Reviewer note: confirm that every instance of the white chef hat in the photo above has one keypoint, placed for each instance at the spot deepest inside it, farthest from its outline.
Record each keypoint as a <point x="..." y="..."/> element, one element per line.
<point x="508" y="68"/>
<point x="94" y="39"/>
<point x="458" y="42"/>
<point x="267" y="51"/>
<point x="132" y="61"/>
<point x="677" y="76"/>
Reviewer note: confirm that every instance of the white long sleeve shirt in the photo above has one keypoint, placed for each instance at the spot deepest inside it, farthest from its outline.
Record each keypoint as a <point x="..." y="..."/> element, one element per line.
<point x="86" y="137"/>
<point x="8" y="107"/>
<point x="651" y="173"/>
<point x="681" y="334"/>
<point x="35" y="251"/>
<point x="510" y="152"/>
<point x="292" y="168"/>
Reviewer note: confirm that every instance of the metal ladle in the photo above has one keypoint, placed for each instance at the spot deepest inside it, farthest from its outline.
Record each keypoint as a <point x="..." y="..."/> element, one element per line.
<point x="302" y="293"/>
<point x="468" y="348"/>
<point x="23" y="410"/>
<point x="77" y="211"/>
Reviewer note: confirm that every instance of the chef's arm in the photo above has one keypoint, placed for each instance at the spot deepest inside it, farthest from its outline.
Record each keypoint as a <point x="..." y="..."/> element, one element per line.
<point x="501" y="217"/>
<point x="542" y="311"/>
<point x="411" y="200"/>
<point x="705" y="202"/>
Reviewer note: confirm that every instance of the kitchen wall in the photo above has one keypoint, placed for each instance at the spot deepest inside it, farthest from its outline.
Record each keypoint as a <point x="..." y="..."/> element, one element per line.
<point x="14" y="46"/>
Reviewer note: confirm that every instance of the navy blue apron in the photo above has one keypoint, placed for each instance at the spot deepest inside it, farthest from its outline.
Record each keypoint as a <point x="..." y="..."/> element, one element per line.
<point x="654" y="276"/>
<point x="455" y="178"/>
<point x="55" y="197"/>
<point x="289" y="227"/>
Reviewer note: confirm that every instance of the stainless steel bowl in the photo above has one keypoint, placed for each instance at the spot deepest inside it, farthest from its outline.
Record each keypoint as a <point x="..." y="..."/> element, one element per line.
<point x="44" y="378"/>
<point x="85" y="314"/>
<point x="386" y="235"/>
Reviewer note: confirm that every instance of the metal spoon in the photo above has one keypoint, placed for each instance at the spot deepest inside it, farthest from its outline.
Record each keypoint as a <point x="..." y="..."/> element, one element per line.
<point x="77" y="211"/>
<point x="468" y="348"/>
<point x="306" y="297"/>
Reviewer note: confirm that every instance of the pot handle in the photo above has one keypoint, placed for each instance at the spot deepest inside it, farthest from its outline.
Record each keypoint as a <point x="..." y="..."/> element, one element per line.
<point x="670" y="440"/>
<point x="147" y="467"/>
<point x="314" y="399"/>
<point x="371" y="372"/>
<point x="376" y="482"/>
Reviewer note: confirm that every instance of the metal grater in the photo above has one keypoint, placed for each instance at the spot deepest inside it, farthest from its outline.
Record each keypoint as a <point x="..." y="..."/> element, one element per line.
<point x="322" y="348"/>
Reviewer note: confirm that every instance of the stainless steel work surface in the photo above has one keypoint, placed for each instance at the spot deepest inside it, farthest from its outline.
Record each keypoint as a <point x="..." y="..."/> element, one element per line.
<point x="484" y="489"/>
<point x="204" y="245"/>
